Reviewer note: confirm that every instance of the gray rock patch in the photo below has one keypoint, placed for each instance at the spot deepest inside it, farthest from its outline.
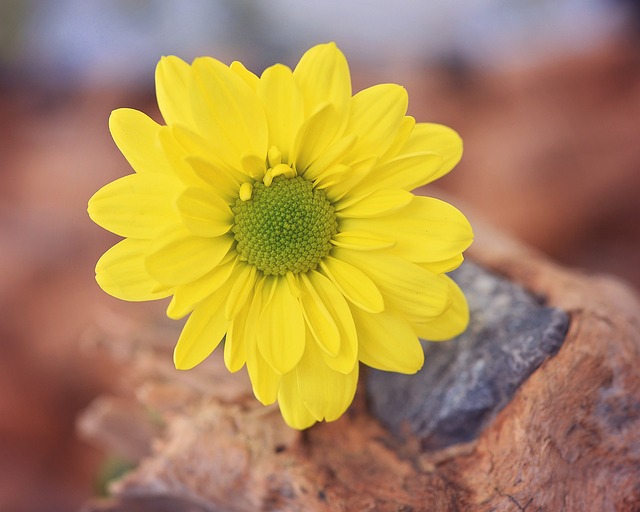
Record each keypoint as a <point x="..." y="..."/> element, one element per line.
<point x="465" y="382"/>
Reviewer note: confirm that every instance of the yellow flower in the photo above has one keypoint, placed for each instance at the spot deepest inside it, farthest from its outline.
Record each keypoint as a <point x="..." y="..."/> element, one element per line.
<point x="276" y="210"/>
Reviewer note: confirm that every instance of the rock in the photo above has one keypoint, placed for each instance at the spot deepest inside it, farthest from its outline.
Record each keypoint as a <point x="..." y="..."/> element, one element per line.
<point x="467" y="381"/>
<point x="560" y="433"/>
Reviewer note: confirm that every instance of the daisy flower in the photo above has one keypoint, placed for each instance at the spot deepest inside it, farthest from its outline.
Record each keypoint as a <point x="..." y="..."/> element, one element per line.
<point x="277" y="212"/>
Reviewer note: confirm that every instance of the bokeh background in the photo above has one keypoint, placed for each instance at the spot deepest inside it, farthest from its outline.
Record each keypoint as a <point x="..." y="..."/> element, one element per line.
<point x="546" y="94"/>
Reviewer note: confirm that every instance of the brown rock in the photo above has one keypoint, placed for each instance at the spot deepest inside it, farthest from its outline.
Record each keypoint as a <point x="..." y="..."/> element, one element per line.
<point x="568" y="440"/>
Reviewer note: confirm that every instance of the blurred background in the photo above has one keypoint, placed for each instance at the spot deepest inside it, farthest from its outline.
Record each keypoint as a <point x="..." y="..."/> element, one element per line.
<point x="545" y="93"/>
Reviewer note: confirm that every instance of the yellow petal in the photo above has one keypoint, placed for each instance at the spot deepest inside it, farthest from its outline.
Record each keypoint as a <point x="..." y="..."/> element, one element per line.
<point x="316" y="134"/>
<point x="380" y="202"/>
<point x="294" y="284"/>
<point x="323" y="77"/>
<point x="358" y="172"/>
<point x="283" y="105"/>
<point x="338" y="308"/>
<point x="253" y="165"/>
<point x="249" y="78"/>
<point x="264" y="380"/>
<point x="436" y="138"/>
<point x="440" y="267"/>
<point x="326" y="393"/>
<point x="178" y="257"/>
<point x="427" y="229"/>
<point x="230" y="115"/>
<point x="224" y="184"/>
<point x="405" y="172"/>
<point x="430" y="152"/>
<point x="176" y="156"/>
<point x="330" y="156"/>
<point x="244" y="280"/>
<point x="121" y="272"/>
<point x="377" y="114"/>
<point x="387" y="342"/>
<point x="202" y="333"/>
<point x="293" y="410"/>
<point x="235" y="353"/>
<point x="353" y="284"/>
<point x="319" y="319"/>
<point x="187" y="296"/>
<point x="136" y="136"/>
<point x="210" y="166"/>
<point x="234" y="350"/>
<point x="329" y="176"/>
<point x="137" y="205"/>
<point x="195" y="145"/>
<point x="281" y="326"/>
<point x="416" y="292"/>
<point x="173" y="83"/>
<point x="405" y="130"/>
<point x="361" y="241"/>
<point x="204" y="213"/>
<point x="452" y="322"/>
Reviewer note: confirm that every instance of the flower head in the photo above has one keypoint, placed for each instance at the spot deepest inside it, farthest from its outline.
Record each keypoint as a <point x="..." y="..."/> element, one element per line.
<point x="277" y="213"/>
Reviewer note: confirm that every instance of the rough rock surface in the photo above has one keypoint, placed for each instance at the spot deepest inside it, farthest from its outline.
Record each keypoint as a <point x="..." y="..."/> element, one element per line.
<point x="464" y="383"/>
<point x="568" y="439"/>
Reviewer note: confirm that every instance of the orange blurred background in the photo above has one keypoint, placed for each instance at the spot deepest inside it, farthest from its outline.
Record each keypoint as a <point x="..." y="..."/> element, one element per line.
<point x="546" y="96"/>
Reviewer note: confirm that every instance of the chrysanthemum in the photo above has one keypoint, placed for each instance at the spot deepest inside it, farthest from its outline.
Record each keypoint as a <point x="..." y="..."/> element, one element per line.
<point x="277" y="213"/>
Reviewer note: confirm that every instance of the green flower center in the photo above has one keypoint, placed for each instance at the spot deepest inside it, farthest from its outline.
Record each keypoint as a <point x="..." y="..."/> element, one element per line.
<point x="284" y="227"/>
